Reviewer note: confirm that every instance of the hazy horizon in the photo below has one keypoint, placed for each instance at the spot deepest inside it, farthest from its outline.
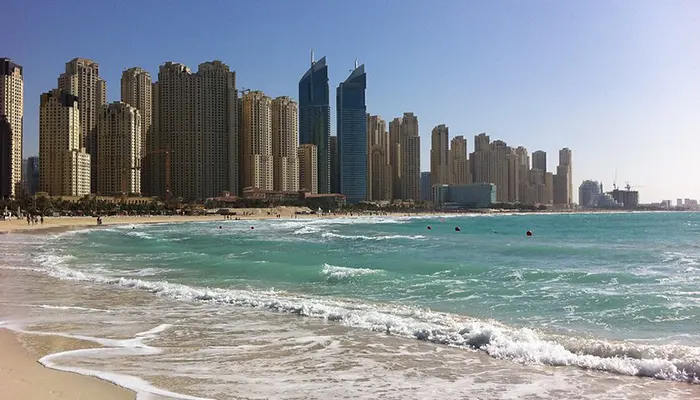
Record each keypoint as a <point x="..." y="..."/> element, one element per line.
<point x="618" y="83"/>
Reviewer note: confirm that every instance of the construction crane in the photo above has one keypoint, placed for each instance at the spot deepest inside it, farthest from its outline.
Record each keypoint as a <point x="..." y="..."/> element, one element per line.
<point x="168" y="153"/>
<point x="615" y="180"/>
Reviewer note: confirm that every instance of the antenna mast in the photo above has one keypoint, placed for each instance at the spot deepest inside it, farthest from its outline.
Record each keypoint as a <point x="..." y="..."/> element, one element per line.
<point x="312" y="57"/>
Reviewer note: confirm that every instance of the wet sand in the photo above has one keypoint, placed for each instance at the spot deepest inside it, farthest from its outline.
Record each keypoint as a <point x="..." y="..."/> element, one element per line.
<point x="24" y="378"/>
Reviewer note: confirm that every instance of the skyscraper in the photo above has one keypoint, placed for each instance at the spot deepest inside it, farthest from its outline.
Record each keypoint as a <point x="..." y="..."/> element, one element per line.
<point x="563" y="185"/>
<point x="285" y="139"/>
<point x="539" y="160"/>
<point x="256" y="141"/>
<point x="439" y="155"/>
<point x="315" y="117"/>
<point x="65" y="166"/>
<point x="11" y="127"/>
<point x="404" y="150"/>
<point x="352" y="135"/>
<point x="119" y="136"/>
<point x="459" y="167"/>
<point x="82" y="79"/>
<point x="136" y="86"/>
<point x="425" y="188"/>
<point x="308" y="164"/>
<point x="31" y="173"/>
<point x="378" y="167"/>
<point x="195" y="120"/>
<point x="410" y="155"/>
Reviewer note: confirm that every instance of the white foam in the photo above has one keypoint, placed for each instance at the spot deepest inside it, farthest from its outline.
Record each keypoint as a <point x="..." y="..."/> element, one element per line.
<point x="112" y="348"/>
<point x="50" y="307"/>
<point x="670" y="362"/>
<point x="364" y="237"/>
<point x="336" y="272"/>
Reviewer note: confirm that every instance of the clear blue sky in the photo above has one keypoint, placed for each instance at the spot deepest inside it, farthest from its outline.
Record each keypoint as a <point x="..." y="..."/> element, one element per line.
<point x="616" y="81"/>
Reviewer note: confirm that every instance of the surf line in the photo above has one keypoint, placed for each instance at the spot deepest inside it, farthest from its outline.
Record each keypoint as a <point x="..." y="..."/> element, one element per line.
<point x="111" y="348"/>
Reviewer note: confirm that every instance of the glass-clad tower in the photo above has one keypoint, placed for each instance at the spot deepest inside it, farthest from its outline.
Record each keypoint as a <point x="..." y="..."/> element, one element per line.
<point x="352" y="135"/>
<point x="315" y="117"/>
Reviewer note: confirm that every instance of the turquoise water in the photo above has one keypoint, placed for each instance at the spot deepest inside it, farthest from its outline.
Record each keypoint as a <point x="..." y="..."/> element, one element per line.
<point x="612" y="292"/>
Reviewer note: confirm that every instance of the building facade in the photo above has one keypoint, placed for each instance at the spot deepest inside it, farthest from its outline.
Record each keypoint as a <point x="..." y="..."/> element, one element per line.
<point x="475" y="195"/>
<point x="315" y="117"/>
<point x="65" y="166"/>
<point x="425" y="191"/>
<point x="563" y="185"/>
<point x="119" y="137"/>
<point x="285" y="139"/>
<point x="404" y="154"/>
<point x="194" y="136"/>
<point x="256" y="141"/>
<point x="352" y="135"/>
<point x="82" y="79"/>
<point x="439" y="155"/>
<point x="458" y="162"/>
<point x="308" y="168"/>
<point x="335" y="165"/>
<point x="378" y="163"/>
<point x="588" y="193"/>
<point x="136" y="91"/>
<point x="31" y="175"/>
<point x="11" y="127"/>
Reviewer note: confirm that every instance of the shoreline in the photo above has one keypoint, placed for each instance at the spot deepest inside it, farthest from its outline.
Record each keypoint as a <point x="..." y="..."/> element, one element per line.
<point x="23" y="377"/>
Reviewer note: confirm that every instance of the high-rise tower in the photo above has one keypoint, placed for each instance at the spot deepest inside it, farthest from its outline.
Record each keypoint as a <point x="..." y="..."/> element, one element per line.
<point x="11" y="127"/>
<point x="119" y="143"/>
<point x="315" y="117"/>
<point x="256" y="141"/>
<point x="352" y="135"/>
<point x="64" y="169"/>
<point x="195" y="131"/>
<point x="82" y="79"/>
<point x="285" y="142"/>
<point x="439" y="156"/>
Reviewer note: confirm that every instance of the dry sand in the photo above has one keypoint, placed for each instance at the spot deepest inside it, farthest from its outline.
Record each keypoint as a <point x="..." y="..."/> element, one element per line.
<point x="22" y="377"/>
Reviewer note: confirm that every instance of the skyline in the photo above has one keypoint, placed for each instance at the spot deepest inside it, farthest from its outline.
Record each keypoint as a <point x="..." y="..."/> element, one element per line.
<point x="614" y="82"/>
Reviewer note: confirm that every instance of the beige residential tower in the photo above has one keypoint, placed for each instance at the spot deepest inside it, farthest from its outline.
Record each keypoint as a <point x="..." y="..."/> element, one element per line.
<point x="11" y="129"/>
<point x="119" y="142"/>
<point x="308" y="168"/>
<point x="285" y="141"/>
<point x="64" y="169"/>
<point x="256" y="141"/>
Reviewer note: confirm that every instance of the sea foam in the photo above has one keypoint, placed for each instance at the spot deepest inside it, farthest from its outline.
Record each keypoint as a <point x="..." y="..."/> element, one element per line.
<point x="669" y="362"/>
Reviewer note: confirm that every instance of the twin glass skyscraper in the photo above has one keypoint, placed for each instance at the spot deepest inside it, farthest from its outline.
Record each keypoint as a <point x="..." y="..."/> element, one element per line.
<point x="315" y="128"/>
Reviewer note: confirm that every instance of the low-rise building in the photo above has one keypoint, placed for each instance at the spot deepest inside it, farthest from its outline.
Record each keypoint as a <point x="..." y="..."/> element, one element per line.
<point x="474" y="195"/>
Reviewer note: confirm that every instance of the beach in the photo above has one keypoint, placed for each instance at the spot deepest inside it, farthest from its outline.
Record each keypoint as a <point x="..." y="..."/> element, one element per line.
<point x="358" y="307"/>
<point x="22" y="377"/>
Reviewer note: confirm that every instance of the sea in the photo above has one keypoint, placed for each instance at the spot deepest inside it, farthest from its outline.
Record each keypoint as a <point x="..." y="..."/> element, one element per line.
<point x="590" y="306"/>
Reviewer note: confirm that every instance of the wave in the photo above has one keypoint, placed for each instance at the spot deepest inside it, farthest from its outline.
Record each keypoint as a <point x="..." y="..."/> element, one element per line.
<point x="363" y="237"/>
<point x="336" y="272"/>
<point x="522" y="345"/>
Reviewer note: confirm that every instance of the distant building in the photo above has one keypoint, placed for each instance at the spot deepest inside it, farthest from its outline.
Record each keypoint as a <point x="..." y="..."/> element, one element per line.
<point x="65" y="166"/>
<point x="588" y="193"/>
<point x="459" y="166"/>
<point x="439" y="155"/>
<point x="378" y="167"/>
<point x="539" y="160"/>
<point x="31" y="175"/>
<point x="425" y="192"/>
<point x="11" y="120"/>
<point x="82" y="79"/>
<point x="628" y="198"/>
<point x="256" y="141"/>
<point x="308" y="168"/>
<point x="285" y="141"/>
<point x="404" y="155"/>
<point x="119" y="144"/>
<point x="475" y="195"/>
<point x="352" y="135"/>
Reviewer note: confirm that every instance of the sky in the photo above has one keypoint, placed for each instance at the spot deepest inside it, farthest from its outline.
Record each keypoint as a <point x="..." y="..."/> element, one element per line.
<point x="618" y="82"/>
